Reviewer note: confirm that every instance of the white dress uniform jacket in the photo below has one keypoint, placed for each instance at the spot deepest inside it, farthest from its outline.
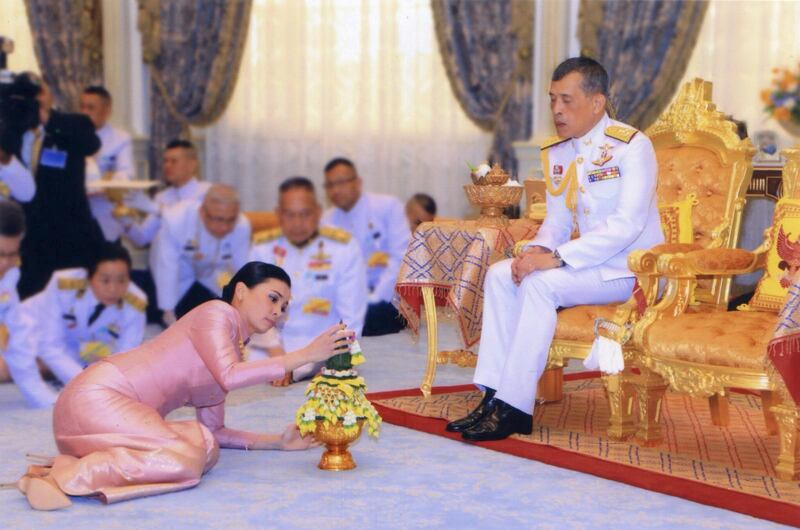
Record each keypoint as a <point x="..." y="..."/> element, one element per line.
<point x="114" y="161"/>
<point x="22" y="366"/>
<point x="142" y="234"/>
<point x="606" y="182"/>
<point x="615" y="202"/>
<point x="56" y="329"/>
<point x="329" y="284"/>
<point x="16" y="182"/>
<point x="185" y="252"/>
<point x="379" y="225"/>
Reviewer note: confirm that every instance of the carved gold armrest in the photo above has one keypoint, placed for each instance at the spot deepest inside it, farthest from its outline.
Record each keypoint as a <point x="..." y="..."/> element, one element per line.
<point x="724" y="261"/>
<point x="681" y="272"/>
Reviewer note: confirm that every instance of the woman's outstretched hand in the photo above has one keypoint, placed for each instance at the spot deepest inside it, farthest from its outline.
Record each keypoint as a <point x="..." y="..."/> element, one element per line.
<point x="291" y="440"/>
<point x="333" y="341"/>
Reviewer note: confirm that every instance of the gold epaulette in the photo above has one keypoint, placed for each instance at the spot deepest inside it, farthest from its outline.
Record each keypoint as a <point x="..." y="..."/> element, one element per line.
<point x="72" y="284"/>
<point x="337" y="234"/>
<point x="553" y="140"/>
<point x="623" y="134"/>
<point x="135" y="302"/>
<point x="267" y="235"/>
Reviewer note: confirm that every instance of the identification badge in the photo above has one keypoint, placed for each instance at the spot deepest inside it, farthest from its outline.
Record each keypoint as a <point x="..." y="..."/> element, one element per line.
<point x="53" y="158"/>
<point x="607" y="173"/>
<point x="558" y="169"/>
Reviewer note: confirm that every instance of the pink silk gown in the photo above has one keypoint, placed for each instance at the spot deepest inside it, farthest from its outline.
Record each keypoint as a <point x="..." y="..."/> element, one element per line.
<point x="109" y="421"/>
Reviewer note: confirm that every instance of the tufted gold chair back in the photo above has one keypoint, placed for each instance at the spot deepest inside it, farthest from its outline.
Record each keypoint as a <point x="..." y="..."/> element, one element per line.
<point x="700" y="152"/>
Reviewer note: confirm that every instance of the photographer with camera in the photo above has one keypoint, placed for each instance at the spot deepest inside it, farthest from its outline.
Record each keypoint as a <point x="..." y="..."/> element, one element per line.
<point x="54" y="145"/>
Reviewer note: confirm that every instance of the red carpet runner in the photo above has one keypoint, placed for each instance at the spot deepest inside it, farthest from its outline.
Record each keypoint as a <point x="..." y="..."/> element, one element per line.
<point x="730" y="467"/>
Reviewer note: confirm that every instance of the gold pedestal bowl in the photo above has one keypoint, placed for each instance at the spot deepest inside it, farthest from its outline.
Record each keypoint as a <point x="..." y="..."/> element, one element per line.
<point x="492" y="200"/>
<point x="336" y="440"/>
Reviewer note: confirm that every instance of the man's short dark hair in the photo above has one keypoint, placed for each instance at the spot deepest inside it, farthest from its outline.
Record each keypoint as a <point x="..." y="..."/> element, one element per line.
<point x="595" y="77"/>
<point x="340" y="161"/>
<point x="12" y="219"/>
<point x="296" y="183"/>
<point x="186" y="145"/>
<point x="426" y="201"/>
<point x="99" y="91"/>
<point x="108" y="252"/>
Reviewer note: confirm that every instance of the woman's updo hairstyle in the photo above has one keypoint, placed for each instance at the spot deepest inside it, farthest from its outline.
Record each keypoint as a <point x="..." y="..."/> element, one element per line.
<point x="252" y="274"/>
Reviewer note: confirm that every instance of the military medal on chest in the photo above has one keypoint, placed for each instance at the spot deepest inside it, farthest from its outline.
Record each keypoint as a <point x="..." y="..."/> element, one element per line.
<point x="320" y="260"/>
<point x="280" y="255"/>
<point x="605" y="154"/>
<point x="191" y="246"/>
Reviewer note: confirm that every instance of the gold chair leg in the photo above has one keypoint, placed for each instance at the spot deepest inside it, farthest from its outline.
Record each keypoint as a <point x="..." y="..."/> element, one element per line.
<point x="788" y="417"/>
<point x="620" y="395"/>
<point x="720" y="414"/>
<point x="429" y="301"/>
<point x="769" y="399"/>
<point x="551" y="385"/>
<point x="650" y="388"/>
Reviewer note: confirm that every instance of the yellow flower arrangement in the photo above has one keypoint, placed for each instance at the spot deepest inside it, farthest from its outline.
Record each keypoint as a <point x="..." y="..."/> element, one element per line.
<point x="782" y="99"/>
<point x="338" y="395"/>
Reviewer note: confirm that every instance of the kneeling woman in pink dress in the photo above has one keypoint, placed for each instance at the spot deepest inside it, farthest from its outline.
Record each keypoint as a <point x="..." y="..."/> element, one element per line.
<point x="109" y="421"/>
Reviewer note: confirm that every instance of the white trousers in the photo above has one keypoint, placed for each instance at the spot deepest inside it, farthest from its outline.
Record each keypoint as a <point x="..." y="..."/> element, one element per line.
<point x="519" y="323"/>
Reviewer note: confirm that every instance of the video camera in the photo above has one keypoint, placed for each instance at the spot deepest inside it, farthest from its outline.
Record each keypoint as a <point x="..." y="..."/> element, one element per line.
<point x="19" y="108"/>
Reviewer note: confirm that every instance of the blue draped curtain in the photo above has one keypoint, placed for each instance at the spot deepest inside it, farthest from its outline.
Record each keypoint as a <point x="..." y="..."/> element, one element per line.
<point x="486" y="48"/>
<point x="68" y="42"/>
<point x="645" y="46"/>
<point x="194" y="49"/>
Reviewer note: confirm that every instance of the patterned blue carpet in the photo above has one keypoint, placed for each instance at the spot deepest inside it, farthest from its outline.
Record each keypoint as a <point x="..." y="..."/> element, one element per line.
<point x="407" y="479"/>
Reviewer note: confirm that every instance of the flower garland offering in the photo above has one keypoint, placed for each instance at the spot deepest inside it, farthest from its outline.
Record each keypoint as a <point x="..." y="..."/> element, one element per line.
<point x="336" y="396"/>
<point x="782" y="98"/>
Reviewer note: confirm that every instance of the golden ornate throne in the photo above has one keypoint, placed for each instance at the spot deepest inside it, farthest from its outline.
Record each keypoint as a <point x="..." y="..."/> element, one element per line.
<point x="704" y="166"/>
<point x="707" y="354"/>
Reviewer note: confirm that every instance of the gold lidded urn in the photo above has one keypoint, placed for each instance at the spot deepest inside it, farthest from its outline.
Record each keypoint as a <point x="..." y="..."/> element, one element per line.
<point x="492" y="195"/>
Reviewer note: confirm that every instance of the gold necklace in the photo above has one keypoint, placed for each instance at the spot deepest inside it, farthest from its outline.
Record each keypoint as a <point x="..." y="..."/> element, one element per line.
<point x="242" y="349"/>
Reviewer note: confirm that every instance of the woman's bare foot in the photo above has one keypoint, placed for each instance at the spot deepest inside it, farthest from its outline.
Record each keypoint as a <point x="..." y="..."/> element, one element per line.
<point x="43" y="493"/>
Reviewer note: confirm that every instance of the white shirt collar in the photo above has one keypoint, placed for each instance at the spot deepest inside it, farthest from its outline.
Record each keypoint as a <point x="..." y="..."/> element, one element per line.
<point x="187" y="189"/>
<point x="586" y="142"/>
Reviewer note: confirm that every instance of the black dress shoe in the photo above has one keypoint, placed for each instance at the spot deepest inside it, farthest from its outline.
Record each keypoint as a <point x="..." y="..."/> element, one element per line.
<point x="503" y="421"/>
<point x="475" y="416"/>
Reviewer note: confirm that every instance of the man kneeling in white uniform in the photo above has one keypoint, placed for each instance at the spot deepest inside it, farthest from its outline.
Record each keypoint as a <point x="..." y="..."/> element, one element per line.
<point x="602" y="174"/>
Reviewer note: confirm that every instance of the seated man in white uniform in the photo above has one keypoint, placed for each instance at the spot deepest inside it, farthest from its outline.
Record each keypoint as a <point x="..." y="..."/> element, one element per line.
<point x="114" y="160"/>
<point x="329" y="283"/>
<point x="180" y="167"/>
<point x="82" y="316"/>
<point x="12" y="229"/>
<point x="16" y="181"/>
<point x="199" y="247"/>
<point x="379" y="224"/>
<point x="603" y="174"/>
